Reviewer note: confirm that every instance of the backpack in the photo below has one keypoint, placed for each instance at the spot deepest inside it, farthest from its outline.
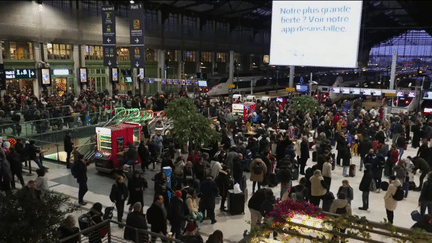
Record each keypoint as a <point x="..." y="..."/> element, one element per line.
<point x="399" y="194"/>
<point x="341" y="210"/>
<point x="257" y="169"/>
<point x="85" y="221"/>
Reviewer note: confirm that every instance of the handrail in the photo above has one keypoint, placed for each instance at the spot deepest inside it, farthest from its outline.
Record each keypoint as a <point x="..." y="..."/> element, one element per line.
<point x="109" y="235"/>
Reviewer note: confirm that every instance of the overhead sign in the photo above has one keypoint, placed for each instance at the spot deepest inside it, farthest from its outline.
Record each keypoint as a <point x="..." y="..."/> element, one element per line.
<point x="290" y="89"/>
<point x="109" y="36"/>
<point x="136" y="21"/>
<point x="20" y="73"/>
<point x="231" y="86"/>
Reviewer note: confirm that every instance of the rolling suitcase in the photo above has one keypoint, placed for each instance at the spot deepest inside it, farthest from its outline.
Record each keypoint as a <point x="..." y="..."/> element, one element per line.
<point x="236" y="202"/>
<point x="352" y="170"/>
<point x="295" y="172"/>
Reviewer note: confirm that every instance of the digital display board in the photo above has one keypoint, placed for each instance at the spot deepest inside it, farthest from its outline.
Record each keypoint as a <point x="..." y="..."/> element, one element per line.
<point x="46" y="76"/>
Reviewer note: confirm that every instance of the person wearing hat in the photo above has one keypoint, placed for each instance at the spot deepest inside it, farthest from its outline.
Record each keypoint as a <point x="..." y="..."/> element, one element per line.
<point x="191" y="234"/>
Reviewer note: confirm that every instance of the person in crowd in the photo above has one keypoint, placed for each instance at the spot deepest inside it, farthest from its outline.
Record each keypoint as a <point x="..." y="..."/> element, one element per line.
<point x="119" y="194"/>
<point x="298" y="193"/>
<point x="345" y="152"/>
<point x="178" y="171"/>
<point x="416" y="129"/>
<point x="215" y="166"/>
<point x="209" y="190"/>
<point x="341" y="205"/>
<point x="223" y="183"/>
<point x="176" y="214"/>
<point x="365" y="186"/>
<point x="304" y="154"/>
<point x="425" y="199"/>
<point x="32" y="151"/>
<point x="401" y="174"/>
<point x="392" y="159"/>
<point x="238" y="171"/>
<point x="284" y="176"/>
<point x="347" y="190"/>
<point x="191" y="234"/>
<point x="96" y="215"/>
<point x="364" y="147"/>
<point x="425" y="152"/>
<point x="136" y="186"/>
<point x="192" y="202"/>
<point x="131" y="154"/>
<point x="390" y="202"/>
<point x="377" y="168"/>
<point x="420" y="163"/>
<point x="318" y="188"/>
<point x="41" y="181"/>
<point x="161" y="186"/>
<point x="79" y="171"/>
<point x="68" y="228"/>
<point x="144" y="155"/>
<point x="425" y="223"/>
<point x="258" y="171"/>
<point x="254" y="206"/>
<point x="401" y="143"/>
<point x="215" y="237"/>
<point x="327" y="172"/>
<point x="68" y="147"/>
<point x="15" y="161"/>
<point x="157" y="217"/>
<point x="136" y="220"/>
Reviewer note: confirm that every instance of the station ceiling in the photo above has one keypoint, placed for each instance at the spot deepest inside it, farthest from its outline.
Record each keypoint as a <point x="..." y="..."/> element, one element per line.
<point x="381" y="20"/>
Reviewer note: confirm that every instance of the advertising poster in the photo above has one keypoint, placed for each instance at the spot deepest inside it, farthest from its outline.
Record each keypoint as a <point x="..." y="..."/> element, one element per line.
<point x="83" y="75"/>
<point x="137" y="51"/>
<point x="109" y="36"/>
<point x="46" y="76"/>
<point x="114" y="74"/>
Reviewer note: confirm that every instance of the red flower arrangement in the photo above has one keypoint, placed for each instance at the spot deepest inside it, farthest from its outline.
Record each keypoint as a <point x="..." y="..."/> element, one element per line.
<point x="290" y="208"/>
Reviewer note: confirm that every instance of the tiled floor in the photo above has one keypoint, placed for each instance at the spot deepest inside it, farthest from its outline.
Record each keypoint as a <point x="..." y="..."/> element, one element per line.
<point x="232" y="227"/>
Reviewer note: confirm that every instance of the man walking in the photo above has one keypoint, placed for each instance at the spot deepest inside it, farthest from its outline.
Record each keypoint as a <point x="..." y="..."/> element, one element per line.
<point x="209" y="190"/>
<point x="79" y="171"/>
<point x="68" y="147"/>
<point x="157" y="217"/>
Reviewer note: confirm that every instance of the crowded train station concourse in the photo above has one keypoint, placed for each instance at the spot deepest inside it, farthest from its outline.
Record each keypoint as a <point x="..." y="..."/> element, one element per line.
<point x="215" y="121"/>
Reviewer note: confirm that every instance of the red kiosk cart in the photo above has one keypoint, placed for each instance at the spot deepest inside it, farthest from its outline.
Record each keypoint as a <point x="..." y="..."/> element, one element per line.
<point x="111" y="143"/>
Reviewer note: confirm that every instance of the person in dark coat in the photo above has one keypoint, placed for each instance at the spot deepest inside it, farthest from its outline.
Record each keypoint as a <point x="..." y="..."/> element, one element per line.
<point x="209" y="191"/>
<point x="177" y="215"/>
<point x="420" y="163"/>
<point x="31" y="152"/>
<point x="223" y="182"/>
<point x="364" y="146"/>
<point x="425" y="152"/>
<point x="67" y="228"/>
<point x="365" y="185"/>
<point x="97" y="217"/>
<point x="304" y="154"/>
<point x="416" y="129"/>
<point x="157" y="217"/>
<point x="119" y="194"/>
<point x="136" y="187"/>
<point x="16" y="167"/>
<point x="238" y="170"/>
<point x="425" y="223"/>
<point x="161" y="187"/>
<point x="340" y="139"/>
<point x="254" y="206"/>
<point x="68" y="147"/>
<point x="284" y="176"/>
<point x="144" y="155"/>
<point x="136" y="219"/>
<point x="377" y="168"/>
<point x="79" y="171"/>
<point x="380" y="136"/>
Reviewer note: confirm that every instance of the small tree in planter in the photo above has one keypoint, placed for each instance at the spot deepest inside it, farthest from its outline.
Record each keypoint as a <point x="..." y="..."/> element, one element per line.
<point x="189" y="125"/>
<point x="26" y="216"/>
<point x="305" y="103"/>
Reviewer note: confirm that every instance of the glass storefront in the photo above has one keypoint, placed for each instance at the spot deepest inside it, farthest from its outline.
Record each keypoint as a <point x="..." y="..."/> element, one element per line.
<point x="20" y="85"/>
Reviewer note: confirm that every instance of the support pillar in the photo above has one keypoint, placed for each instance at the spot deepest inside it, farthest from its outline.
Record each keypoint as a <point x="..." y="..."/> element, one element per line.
<point x="393" y="70"/>
<point x="111" y="87"/>
<point x="161" y="64"/>
<point x="291" y="77"/>
<point x="2" y="92"/>
<point x="37" y="88"/>
<point x="83" y="64"/>
<point x="213" y="63"/>
<point x="76" y="87"/>
<point x="180" y="64"/>
<point x="135" y="82"/>
<point x="231" y="68"/>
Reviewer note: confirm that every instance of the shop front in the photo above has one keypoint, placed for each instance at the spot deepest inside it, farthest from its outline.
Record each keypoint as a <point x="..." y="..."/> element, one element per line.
<point x="62" y="80"/>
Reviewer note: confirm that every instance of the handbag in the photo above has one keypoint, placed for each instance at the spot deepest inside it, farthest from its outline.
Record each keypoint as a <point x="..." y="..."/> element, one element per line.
<point x="415" y="216"/>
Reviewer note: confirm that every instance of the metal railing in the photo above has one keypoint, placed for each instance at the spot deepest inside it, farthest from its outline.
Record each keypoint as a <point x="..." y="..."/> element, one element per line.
<point x="104" y="232"/>
<point x="379" y="232"/>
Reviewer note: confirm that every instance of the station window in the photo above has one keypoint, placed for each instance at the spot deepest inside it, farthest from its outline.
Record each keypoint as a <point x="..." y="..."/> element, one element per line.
<point x="221" y="57"/>
<point x="150" y="55"/>
<point x="171" y="56"/>
<point x="123" y="53"/>
<point x="206" y="56"/>
<point x="189" y="56"/>
<point x="93" y="53"/>
<point x="59" y="51"/>
<point x="20" y="50"/>
<point x="171" y="24"/>
<point x="189" y="25"/>
<point x="222" y="27"/>
<point x="3" y="50"/>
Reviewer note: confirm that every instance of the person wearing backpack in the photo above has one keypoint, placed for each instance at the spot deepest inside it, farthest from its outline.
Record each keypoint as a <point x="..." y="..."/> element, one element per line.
<point x="258" y="171"/>
<point x="425" y="199"/>
<point x="341" y="205"/>
<point x="389" y="198"/>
